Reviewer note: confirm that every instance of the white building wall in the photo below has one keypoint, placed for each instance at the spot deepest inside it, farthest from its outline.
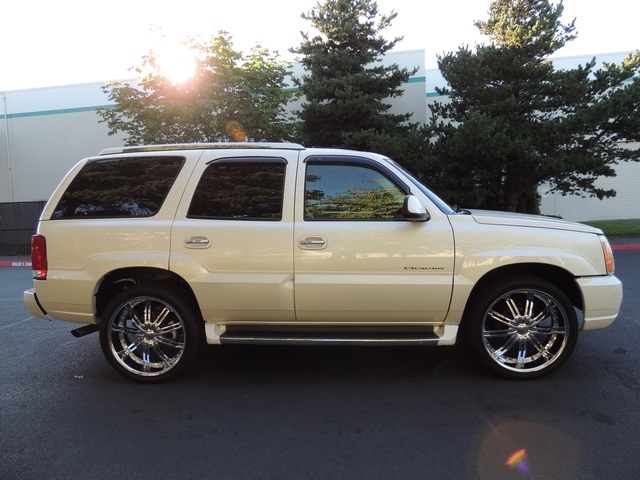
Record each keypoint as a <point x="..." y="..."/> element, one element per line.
<point x="412" y="100"/>
<point x="5" y="165"/>
<point x="44" y="148"/>
<point x="624" y="206"/>
<point x="626" y="203"/>
<point x="43" y="133"/>
<point x="568" y="207"/>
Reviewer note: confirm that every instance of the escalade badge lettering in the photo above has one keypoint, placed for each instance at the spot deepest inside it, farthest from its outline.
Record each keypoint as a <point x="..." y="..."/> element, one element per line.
<point x="424" y="268"/>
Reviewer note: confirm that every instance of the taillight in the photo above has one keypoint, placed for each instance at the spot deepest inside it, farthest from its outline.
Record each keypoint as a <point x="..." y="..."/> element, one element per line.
<point x="39" y="257"/>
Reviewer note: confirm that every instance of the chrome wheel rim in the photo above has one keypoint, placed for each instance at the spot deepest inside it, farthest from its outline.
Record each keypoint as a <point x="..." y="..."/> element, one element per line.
<point x="146" y="336"/>
<point x="525" y="330"/>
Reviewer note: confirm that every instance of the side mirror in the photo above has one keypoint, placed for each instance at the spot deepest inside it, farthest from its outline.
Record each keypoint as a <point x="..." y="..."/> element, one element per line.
<point x="414" y="211"/>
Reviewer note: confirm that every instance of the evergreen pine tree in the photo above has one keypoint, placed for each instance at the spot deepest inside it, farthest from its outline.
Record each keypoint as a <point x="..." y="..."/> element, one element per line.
<point x="345" y="85"/>
<point x="513" y="122"/>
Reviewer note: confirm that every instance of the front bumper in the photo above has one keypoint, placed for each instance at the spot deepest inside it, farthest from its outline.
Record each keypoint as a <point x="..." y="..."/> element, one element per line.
<point x="602" y="298"/>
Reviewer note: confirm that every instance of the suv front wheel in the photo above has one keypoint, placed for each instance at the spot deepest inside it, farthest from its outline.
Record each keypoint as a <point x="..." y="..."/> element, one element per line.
<point x="150" y="333"/>
<point x="522" y="327"/>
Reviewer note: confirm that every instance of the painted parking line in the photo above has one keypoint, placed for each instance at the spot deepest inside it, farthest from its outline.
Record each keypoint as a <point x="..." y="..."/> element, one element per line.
<point x="15" y="264"/>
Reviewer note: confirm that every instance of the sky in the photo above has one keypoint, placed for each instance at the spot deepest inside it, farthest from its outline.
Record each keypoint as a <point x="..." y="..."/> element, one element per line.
<point x="62" y="42"/>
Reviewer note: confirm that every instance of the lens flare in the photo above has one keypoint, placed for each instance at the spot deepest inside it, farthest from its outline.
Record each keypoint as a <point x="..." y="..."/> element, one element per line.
<point x="235" y="131"/>
<point x="518" y="460"/>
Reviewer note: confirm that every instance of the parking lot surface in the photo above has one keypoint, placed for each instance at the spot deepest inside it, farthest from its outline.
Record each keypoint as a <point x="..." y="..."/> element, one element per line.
<point x="317" y="413"/>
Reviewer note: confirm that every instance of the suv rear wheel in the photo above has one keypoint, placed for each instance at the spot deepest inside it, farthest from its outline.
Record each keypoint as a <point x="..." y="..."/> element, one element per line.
<point x="150" y="332"/>
<point x="522" y="327"/>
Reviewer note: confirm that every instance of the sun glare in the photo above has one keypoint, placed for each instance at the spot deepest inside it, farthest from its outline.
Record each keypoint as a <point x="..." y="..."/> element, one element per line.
<point x="176" y="62"/>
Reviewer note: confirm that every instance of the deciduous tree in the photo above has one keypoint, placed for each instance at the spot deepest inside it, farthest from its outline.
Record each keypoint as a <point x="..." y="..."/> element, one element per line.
<point x="231" y="96"/>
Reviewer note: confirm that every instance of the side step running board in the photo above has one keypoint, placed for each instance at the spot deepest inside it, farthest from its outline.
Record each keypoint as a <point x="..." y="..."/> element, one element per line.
<point x="243" y="336"/>
<point x="86" y="330"/>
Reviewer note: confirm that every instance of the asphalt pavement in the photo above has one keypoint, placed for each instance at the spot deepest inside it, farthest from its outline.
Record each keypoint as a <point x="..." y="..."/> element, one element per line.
<point x="272" y="413"/>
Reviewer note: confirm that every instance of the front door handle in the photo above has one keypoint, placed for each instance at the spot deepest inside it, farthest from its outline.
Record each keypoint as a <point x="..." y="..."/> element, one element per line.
<point x="313" y="243"/>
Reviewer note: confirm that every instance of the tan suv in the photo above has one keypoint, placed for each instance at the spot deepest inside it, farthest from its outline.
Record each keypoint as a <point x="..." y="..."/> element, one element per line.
<point x="161" y="248"/>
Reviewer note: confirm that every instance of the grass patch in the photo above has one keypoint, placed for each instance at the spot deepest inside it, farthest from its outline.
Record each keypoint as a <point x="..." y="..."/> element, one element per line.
<point x="613" y="228"/>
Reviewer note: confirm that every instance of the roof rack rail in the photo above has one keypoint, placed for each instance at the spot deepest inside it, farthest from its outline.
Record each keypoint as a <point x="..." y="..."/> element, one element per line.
<point x="202" y="146"/>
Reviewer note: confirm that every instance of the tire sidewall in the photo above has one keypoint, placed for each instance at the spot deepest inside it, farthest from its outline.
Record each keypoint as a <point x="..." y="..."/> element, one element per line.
<point x="169" y="294"/>
<point x="486" y="296"/>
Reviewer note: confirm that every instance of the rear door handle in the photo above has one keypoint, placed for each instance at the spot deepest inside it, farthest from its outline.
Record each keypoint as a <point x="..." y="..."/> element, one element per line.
<point x="313" y="243"/>
<point x="198" y="241"/>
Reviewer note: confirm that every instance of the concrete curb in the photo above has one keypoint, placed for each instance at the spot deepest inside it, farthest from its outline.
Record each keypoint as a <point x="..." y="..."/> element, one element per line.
<point x="625" y="247"/>
<point x="15" y="263"/>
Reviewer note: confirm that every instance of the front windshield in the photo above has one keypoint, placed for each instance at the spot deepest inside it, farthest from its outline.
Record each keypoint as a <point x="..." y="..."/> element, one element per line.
<point x="441" y="204"/>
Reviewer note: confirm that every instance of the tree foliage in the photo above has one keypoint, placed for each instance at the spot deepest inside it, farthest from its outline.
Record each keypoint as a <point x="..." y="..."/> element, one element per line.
<point x="513" y="122"/>
<point x="374" y="199"/>
<point x="232" y="96"/>
<point x="345" y="85"/>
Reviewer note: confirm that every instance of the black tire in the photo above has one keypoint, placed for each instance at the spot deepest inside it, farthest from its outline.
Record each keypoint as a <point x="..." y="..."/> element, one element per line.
<point x="522" y="327"/>
<point x="151" y="332"/>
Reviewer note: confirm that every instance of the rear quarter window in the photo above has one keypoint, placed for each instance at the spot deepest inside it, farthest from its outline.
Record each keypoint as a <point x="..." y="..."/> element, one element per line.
<point x="119" y="187"/>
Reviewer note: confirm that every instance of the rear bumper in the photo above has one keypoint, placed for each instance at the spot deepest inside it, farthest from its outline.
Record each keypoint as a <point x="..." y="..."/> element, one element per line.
<point x="31" y="302"/>
<point x="602" y="298"/>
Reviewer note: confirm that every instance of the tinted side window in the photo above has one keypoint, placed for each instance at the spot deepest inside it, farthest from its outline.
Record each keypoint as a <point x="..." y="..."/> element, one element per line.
<point x="121" y="187"/>
<point x="350" y="192"/>
<point x="240" y="190"/>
